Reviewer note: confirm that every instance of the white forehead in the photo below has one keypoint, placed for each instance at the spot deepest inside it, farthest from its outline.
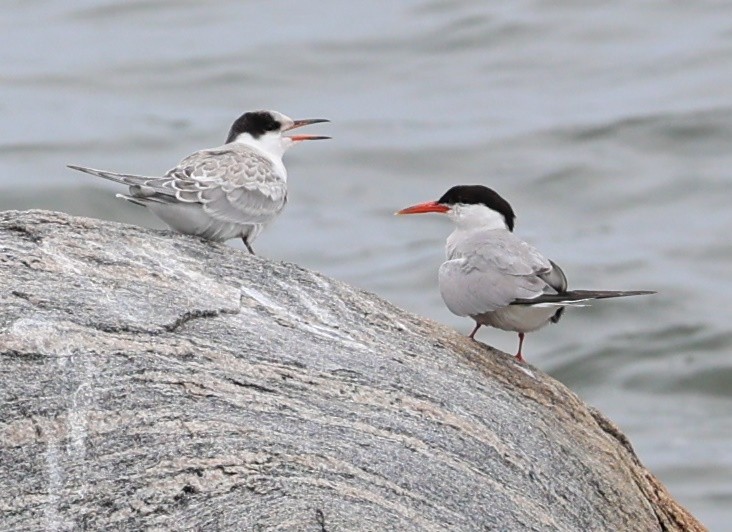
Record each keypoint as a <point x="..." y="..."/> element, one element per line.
<point x="282" y="119"/>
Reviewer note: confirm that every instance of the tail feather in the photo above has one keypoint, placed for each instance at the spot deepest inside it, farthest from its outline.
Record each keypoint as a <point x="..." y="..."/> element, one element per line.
<point x="132" y="199"/>
<point x="577" y="297"/>
<point x="125" y="179"/>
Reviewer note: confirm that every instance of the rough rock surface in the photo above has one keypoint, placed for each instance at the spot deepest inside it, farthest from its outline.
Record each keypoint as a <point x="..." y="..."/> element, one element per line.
<point x="152" y="380"/>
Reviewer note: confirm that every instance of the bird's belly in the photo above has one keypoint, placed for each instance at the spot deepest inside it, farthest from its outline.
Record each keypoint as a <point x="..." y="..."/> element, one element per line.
<point x="191" y="219"/>
<point x="518" y="318"/>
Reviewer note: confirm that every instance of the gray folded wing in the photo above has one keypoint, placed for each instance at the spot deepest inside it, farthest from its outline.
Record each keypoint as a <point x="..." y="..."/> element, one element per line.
<point x="489" y="270"/>
<point x="233" y="184"/>
<point x="468" y="291"/>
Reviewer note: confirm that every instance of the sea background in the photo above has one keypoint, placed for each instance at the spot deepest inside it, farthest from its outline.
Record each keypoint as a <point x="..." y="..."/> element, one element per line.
<point x="608" y="126"/>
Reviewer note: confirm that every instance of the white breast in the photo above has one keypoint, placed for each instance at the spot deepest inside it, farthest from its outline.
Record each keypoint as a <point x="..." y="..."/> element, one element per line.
<point x="518" y="318"/>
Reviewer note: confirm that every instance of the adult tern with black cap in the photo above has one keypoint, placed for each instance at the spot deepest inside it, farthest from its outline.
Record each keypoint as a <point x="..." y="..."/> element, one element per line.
<point x="231" y="191"/>
<point x="492" y="275"/>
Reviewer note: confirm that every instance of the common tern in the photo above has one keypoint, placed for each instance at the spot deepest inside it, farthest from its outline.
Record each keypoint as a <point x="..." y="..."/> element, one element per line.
<point x="231" y="191"/>
<point x="492" y="275"/>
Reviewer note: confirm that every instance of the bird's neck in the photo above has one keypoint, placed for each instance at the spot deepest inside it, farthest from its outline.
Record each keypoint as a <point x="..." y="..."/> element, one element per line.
<point x="472" y="222"/>
<point x="273" y="146"/>
<point x="472" y="217"/>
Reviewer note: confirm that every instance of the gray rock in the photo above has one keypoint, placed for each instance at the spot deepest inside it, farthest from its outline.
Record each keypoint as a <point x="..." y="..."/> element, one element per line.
<point x="152" y="380"/>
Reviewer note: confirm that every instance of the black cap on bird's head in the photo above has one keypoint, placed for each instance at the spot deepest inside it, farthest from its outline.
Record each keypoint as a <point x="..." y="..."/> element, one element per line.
<point x="467" y="195"/>
<point x="258" y="123"/>
<point x="479" y="195"/>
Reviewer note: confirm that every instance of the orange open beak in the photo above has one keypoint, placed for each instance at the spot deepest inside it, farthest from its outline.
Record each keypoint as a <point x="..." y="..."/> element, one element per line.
<point x="306" y="122"/>
<point x="430" y="206"/>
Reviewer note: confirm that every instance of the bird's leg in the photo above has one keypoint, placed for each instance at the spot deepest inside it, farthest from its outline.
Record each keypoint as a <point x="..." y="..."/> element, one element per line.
<point x="520" y="357"/>
<point x="246" y="243"/>
<point x="472" y="334"/>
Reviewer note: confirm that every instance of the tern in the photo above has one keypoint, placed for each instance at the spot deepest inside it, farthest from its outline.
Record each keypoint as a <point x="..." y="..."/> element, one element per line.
<point x="493" y="276"/>
<point x="232" y="191"/>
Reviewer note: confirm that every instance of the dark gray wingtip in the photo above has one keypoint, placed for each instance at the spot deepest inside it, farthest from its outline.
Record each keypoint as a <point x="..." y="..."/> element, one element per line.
<point x="578" y="296"/>
<point x="637" y="293"/>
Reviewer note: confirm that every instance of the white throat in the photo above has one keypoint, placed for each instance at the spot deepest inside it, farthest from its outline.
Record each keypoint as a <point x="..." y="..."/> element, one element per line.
<point x="467" y="217"/>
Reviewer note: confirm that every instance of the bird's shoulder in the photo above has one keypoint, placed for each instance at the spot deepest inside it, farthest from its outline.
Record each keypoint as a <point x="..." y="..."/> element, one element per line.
<point x="499" y="250"/>
<point x="232" y="165"/>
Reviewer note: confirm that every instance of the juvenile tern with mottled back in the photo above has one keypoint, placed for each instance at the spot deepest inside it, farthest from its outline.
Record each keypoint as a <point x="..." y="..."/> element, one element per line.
<point x="492" y="275"/>
<point x="232" y="191"/>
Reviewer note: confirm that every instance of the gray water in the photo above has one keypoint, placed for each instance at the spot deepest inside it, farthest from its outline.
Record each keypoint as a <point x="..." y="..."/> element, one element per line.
<point x="607" y="125"/>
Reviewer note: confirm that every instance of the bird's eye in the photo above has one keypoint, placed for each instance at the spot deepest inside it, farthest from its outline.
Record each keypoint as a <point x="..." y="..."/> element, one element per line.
<point x="274" y="126"/>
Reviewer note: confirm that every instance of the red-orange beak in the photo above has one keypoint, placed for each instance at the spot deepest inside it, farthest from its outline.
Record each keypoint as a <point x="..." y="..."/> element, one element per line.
<point x="430" y="206"/>
<point x="306" y="122"/>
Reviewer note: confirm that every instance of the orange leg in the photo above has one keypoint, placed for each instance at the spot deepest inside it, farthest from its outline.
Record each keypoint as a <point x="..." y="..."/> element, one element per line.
<point x="519" y="356"/>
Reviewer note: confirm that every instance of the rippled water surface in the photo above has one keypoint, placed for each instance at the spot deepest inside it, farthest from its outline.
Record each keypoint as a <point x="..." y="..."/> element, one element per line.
<point x="607" y="125"/>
